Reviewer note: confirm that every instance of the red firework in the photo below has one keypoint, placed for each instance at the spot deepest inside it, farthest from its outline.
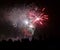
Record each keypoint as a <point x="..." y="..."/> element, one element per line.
<point x="38" y="18"/>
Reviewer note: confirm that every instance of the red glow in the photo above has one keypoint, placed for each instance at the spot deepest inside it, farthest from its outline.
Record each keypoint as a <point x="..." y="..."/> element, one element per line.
<point x="38" y="17"/>
<point x="26" y="32"/>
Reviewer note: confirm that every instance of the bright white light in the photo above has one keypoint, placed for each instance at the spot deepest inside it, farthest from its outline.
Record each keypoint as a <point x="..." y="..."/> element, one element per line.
<point x="31" y="26"/>
<point x="26" y="22"/>
<point x="37" y="18"/>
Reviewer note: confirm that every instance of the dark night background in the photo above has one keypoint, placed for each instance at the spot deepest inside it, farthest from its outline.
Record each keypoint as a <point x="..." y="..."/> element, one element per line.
<point x="53" y="31"/>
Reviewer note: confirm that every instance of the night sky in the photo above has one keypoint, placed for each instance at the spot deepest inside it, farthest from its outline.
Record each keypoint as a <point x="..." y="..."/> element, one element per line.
<point x="51" y="32"/>
<point x="53" y="10"/>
